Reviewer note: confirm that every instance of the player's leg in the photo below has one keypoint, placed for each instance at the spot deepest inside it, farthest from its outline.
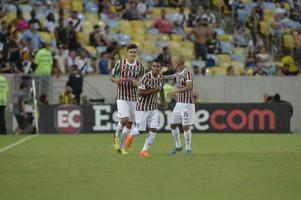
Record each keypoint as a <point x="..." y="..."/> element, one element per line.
<point x="128" y="126"/>
<point x="175" y="120"/>
<point x="123" y="114"/>
<point x="140" y="127"/>
<point x="152" y="122"/>
<point x="188" y="115"/>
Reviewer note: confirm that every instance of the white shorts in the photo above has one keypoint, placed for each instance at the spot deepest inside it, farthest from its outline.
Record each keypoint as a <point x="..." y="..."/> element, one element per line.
<point x="126" y="109"/>
<point x="183" y="113"/>
<point x="147" y="119"/>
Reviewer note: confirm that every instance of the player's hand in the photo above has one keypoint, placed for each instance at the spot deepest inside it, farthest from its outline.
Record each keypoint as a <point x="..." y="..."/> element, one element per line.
<point x="135" y="82"/>
<point x="119" y="81"/>
<point x="172" y="94"/>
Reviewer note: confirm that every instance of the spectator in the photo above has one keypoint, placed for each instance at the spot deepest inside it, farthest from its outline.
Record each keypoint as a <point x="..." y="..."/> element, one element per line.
<point x="82" y="63"/>
<point x="96" y="38"/>
<point x="75" y="81"/>
<point x="67" y="97"/>
<point x="213" y="44"/>
<point x="230" y="71"/>
<point x="72" y="41"/>
<point x="23" y="118"/>
<point x="61" y="58"/>
<point x="61" y="34"/>
<point x="94" y="66"/>
<point x="32" y="37"/>
<point x="76" y="21"/>
<point x="14" y="54"/>
<point x="4" y="64"/>
<point x="71" y="60"/>
<point x="3" y="103"/>
<point x="162" y="24"/>
<point x="132" y="13"/>
<point x="50" y="23"/>
<point x="257" y="12"/>
<point x="263" y="58"/>
<point x="209" y="17"/>
<point x="256" y="43"/>
<point x="298" y="46"/>
<point x="241" y="36"/>
<point x="44" y="61"/>
<point x="179" y="20"/>
<point x="103" y="63"/>
<point x="21" y="23"/>
<point x="143" y="9"/>
<point x="201" y="33"/>
<point x="165" y="58"/>
<point x="251" y="61"/>
<point x="34" y="20"/>
<point x="289" y="65"/>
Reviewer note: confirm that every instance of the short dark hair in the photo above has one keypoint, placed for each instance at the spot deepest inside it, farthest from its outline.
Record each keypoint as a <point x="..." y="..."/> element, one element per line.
<point x="157" y="61"/>
<point x="132" y="46"/>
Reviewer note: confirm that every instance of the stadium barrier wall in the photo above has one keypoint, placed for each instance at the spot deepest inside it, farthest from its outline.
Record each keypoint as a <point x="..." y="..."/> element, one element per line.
<point x="233" y="118"/>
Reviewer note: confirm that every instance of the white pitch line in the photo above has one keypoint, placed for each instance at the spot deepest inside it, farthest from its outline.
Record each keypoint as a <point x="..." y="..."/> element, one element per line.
<point x="16" y="143"/>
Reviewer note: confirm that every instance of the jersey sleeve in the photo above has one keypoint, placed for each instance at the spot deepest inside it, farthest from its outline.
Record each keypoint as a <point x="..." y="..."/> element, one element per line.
<point x="117" y="69"/>
<point x="143" y="83"/>
<point x="188" y="76"/>
<point x="141" y="73"/>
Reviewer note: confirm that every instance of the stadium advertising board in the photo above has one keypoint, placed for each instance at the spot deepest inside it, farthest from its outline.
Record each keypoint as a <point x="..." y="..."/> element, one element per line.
<point x="253" y="118"/>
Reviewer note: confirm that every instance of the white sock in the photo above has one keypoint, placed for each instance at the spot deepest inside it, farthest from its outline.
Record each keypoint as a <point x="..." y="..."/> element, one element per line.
<point x="149" y="140"/>
<point x="134" y="132"/>
<point x="176" y="136"/>
<point x="118" y="130"/>
<point x="125" y="132"/>
<point x="187" y="137"/>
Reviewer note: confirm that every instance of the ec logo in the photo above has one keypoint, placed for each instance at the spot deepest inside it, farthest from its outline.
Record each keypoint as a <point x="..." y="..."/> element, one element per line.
<point x="68" y="119"/>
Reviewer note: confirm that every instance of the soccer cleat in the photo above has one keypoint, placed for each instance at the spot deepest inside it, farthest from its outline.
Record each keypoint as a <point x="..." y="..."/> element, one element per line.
<point x="188" y="152"/>
<point x="175" y="149"/>
<point x="144" y="154"/>
<point x="116" y="144"/>
<point x="129" y="140"/>
<point x="123" y="152"/>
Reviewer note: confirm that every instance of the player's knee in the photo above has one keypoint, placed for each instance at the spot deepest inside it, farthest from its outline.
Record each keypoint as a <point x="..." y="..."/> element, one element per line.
<point x="186" y="128"/>
<point x="124" y="121"/>
<point x="129" y="125"/>
<point x="153" y="130"/>
<point x="173" y="126"/>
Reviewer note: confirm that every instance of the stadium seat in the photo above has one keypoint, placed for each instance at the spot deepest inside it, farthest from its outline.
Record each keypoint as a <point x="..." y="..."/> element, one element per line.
<point x="92" y="51"/>
<point x="264" y="28"/>
<point x="288" y="41"/>
<point x="225" y="37"/>
<point x="92" y="17"/>
<point x="176" y="37"/>
<point x="83" y="38"/>
<point x="77" y="5"/>
<point x="87" y="27"/>
<point x="219" y="71"/>
<point x="45" y="36"/>
<point x="163" y="37"/>
<point x="223" y="58"/>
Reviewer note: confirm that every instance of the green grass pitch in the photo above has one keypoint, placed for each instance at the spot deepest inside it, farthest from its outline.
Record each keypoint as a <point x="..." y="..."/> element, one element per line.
<point x="222" y="167"/>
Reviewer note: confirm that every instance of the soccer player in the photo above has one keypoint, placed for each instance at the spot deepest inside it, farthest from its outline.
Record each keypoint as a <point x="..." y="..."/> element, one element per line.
<point x="147" y="115"/>
<point x="126" y="75"/>
<point x="184" y="110"/>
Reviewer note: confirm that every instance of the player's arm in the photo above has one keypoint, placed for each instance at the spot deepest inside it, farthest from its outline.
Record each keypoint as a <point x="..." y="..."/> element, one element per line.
<point x="143" y="92"/>
<point x="115" y="72"/>
<point x="169" y="77"/>
<point x="162" y="97"/>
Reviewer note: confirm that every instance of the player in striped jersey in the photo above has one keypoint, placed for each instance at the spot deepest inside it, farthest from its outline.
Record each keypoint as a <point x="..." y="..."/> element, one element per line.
<point x="147" y="115"/>
<point x="184" y="110"/>
<point x="126" y="75"/>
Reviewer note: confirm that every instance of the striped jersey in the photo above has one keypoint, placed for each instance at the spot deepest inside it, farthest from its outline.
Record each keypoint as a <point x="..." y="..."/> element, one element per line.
<point x="148" y="81"/>
<point x="181" y="79"/>
<point x="127" y="72"/>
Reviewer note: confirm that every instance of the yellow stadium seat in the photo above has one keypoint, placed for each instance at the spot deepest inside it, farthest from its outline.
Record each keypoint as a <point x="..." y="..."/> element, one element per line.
<point x="187" y="44"/>
<point x="92" y="17"/>
<point x="152" y="38"/>
<point x="26" y="15"/>
<point x="137" y="24"/>
<point x="170" y="10"/>
<point x="288" y="41"/>
<point x="239" y="51"/>
<point x="218" y="3"/>
<point x="66" y="4"/>
<point x="156" y="12"/>
<point x="163" y="37"/>
<point x="175" y="37"/>
<point x="225" y="37"/>
<point x="223" y="58"/>
<point x="238" y="67"/>
<point x="124" y="24"/>
<point x="174" y="45"/>
<point x="92" y="51"/>
<point x="83" y="38"/>
<point x="87" y="27"/>
<point x="264" y="28"/>
<point x="268" y="14"/>
<point x="77" y="6"/>
<point x="45" y="36"/>
<point x="219" y="71"/>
